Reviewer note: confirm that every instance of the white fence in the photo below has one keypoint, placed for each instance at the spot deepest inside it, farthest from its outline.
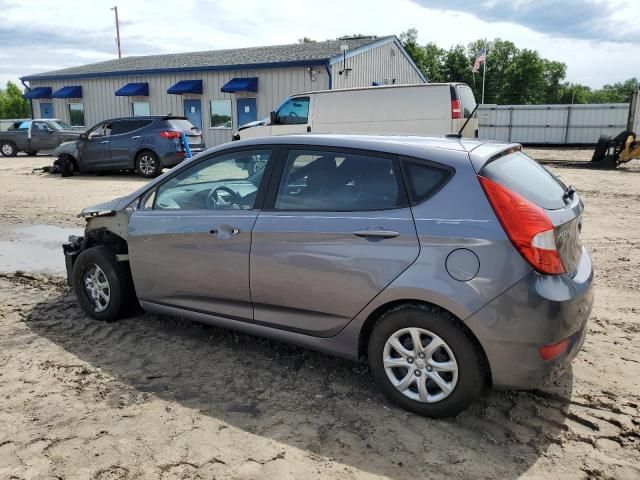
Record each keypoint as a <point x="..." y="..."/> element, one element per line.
<point x="552" y="124"/>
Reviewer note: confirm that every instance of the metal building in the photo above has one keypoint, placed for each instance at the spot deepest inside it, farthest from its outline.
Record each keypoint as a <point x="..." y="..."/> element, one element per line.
<point x="220" y="89"/>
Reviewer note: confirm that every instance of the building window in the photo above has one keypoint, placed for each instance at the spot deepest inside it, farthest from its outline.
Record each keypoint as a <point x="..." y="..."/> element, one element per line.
<point x="76" y="114"/>
<point x="221" y="114"/>
<point x="140" y="109"/>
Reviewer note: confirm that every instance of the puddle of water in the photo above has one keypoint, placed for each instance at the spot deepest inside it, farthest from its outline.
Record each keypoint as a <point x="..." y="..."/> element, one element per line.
<point x="33" y="248"/>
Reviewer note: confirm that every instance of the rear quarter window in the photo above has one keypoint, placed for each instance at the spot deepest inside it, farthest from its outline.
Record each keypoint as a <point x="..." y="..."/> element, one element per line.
<point x="180" y="124"/>
<point x="424" y="179"/>
<point x="526" y="177"/>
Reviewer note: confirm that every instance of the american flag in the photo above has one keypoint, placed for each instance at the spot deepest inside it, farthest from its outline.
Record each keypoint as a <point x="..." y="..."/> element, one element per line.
<point x="480" y="59"/>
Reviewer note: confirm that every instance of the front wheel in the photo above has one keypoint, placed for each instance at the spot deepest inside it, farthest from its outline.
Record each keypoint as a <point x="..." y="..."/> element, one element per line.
<point x="103" y="285"/>
<point x="148" y="165"/>
<point x="8" y="149"/>
<point x="425" y="361"/>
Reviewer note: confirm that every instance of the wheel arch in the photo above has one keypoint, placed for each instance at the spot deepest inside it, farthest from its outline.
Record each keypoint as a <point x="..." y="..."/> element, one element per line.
<point x="141" y="150"/>
<point x="74" y="160"/>
<point x="373" y="318"/>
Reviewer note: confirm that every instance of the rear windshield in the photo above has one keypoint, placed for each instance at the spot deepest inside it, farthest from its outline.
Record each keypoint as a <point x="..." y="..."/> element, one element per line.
<point x="528" y="178"/>
<point x="182" y="125"/>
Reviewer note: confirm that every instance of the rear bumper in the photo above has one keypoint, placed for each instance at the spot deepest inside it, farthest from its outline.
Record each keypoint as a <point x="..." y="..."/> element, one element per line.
<point x="171" y="159"/>
<point x="538" y="310"/>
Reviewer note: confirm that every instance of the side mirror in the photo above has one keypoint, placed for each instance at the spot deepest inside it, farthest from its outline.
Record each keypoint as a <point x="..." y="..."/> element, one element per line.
<point x="273" y="118"/>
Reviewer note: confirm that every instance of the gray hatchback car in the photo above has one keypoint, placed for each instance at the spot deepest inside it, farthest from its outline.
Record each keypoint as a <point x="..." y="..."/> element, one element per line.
<point x="447" y="264"/>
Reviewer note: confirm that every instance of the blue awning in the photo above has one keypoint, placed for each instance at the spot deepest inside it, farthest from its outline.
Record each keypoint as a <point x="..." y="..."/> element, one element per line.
<point x="186" y="86"/>
<point x="241" y="85"/>
<point x="38" y="92"/>
<point x="134" y="90"/>
<point x="68" y="92"/>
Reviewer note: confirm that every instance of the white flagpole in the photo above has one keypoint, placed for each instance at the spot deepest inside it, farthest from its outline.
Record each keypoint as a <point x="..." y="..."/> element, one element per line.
<point x="484" y="69"/>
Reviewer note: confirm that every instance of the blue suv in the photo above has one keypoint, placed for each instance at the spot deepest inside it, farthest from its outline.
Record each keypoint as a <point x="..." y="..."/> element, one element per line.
<point x="144" y="144"/>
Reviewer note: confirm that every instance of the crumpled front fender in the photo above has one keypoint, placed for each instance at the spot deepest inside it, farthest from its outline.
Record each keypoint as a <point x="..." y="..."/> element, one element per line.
<point x="68" y="148"/>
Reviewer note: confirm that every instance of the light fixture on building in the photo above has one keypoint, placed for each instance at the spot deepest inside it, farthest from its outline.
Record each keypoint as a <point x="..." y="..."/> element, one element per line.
<point x="312" y="74"/>
<point x="344" y="47"/>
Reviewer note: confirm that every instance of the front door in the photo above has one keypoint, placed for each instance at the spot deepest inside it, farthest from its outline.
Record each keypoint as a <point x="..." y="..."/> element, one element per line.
<point x="46" y="110"/>
<point x="190" y="248"/>
<point x="192" y="110"/>
<point x="247" y="110"/>
<point x="95" y="151"/>
<point x="294" y="116"/>
<point x="338" y="232"/>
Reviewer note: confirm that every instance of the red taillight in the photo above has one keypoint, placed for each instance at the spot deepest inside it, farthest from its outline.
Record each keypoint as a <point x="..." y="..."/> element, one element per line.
<point x="456" y="111"/>
<point x="549" y="352"/>
<point x="526" y="225"/>
<point x="171" y="134"/>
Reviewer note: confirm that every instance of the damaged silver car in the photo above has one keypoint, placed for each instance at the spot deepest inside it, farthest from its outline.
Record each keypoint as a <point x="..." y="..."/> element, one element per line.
<point x="448" y="264"/>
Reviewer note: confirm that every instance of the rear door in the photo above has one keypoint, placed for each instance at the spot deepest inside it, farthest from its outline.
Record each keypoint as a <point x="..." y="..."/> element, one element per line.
<point x="527" y="178"/>
<point x="336" y="233"/>
<point x="43" y="137"/>
<point x="125" y="136"/>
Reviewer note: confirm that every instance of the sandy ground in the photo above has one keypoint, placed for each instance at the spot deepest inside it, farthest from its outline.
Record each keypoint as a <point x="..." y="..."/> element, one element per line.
<point x="156" y="397"/>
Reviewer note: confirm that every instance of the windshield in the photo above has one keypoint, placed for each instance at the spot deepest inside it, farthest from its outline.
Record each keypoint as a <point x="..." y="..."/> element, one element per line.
<point x="60" y="125"/>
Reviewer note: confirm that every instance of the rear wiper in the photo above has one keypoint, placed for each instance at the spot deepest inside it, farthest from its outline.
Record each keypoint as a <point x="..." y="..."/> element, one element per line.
<point x="568" y="193"/>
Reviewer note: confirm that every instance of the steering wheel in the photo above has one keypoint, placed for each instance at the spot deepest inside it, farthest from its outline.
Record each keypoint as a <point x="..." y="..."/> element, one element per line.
<point x="215" y="201"/>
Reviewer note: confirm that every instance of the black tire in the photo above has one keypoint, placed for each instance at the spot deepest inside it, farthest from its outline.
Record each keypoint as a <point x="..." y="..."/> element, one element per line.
<point x="8" y="149"/>
<point x="66" y="166"/>
<point x="470" y="362"/>
<point x="121" y="292"/>
<point x="32" y="153"/>
<point x="601" y="148"/>
<point x="148" y="165"/>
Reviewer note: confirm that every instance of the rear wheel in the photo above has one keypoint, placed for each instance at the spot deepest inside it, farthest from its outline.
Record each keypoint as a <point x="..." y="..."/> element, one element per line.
<point x="103" y="285"/>
<point x="66" y="165"/>
<point x="148" y="164"/>
<point x="8" y="149"/>
<point x="423" y="360"/>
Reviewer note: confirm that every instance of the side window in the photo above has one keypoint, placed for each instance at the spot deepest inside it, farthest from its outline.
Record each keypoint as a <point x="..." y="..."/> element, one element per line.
<point x="330" y="181"/>
<point x="226" y="182"/>
<point x="40" y="127"/>
<point x="101" y="130"/>
<point x="424" y="179"/>
<point x="294" y="112"/>
<point x="125" y="126"/>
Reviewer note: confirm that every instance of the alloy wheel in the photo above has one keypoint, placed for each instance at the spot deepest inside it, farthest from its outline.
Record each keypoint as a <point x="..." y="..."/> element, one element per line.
<point x="147" y="164"/>
<point x="7" y="149"/>
<point x="97" y="287"/>
<point x="420" y="365"/>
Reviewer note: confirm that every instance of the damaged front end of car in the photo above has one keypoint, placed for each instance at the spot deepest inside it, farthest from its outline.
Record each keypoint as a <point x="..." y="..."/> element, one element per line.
<point x="107" y="225"/>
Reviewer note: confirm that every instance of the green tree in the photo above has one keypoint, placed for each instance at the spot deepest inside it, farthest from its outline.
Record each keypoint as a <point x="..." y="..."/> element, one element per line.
<point x="456" y="65"/>
<point x="574" y="93"/>
<point x="12" y="105"/>
<point x="553" y="75"/>
<point x="428" y="59"/>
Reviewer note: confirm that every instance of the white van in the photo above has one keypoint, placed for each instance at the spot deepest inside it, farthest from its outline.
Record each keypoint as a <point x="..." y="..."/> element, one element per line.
<point x="421" y="109"/>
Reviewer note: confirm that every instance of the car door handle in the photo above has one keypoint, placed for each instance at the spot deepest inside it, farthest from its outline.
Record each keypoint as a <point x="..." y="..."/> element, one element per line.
<point x="135" y="137"/>
<point x="224" y="231"/>
<point x="105" y="141"/>
<point x="376" y="232"/>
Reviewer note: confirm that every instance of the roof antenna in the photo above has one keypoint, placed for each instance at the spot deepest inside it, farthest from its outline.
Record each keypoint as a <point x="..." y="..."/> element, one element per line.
<point x="459" y="134"/>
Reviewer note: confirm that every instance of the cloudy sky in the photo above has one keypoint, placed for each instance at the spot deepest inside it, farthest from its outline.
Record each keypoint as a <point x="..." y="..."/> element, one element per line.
<point x="598" y="40"/>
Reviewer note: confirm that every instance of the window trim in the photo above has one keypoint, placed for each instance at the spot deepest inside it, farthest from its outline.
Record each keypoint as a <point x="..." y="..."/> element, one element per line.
<point x="211" y="113"/>
<point x="276" y="151"/>
<point x="133" y="112"/>
<point x="423" y="161"/>
<point x="276" y="180"/>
